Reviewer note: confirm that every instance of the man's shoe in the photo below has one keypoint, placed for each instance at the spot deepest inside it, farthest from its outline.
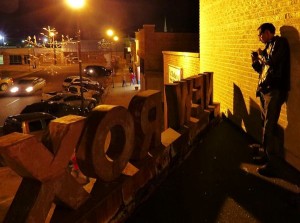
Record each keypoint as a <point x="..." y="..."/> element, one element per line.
<point x="256" y="149"/>
<point x="268" y="170"/>
<point x="260" y="160"/>
<point x="258" y="154"/>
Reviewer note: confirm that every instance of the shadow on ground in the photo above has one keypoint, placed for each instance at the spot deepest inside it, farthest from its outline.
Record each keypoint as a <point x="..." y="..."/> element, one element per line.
<point x="219" y="183"/>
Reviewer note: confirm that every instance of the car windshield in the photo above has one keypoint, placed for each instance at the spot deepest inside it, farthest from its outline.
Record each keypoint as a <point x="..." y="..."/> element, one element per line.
<point x="25" y="81"/>
<point x="72" y="98"/>
<point x="35" y="125"/>
<point x="68" y="80"/>
<point x="85" y="79"/>
<point x="56" y="98"/>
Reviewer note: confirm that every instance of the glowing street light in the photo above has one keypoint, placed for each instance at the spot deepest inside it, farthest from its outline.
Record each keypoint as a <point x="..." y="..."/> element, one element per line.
<point x="2" y="38"/>
<point x="77" y="5"/>
<point x="51" y="34"/>
<point x="116" y="38"/>
<point x="110" y="33"/>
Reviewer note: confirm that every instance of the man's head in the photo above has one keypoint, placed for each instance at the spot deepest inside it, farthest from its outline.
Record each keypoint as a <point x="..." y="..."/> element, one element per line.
<point x="266" y="32"/>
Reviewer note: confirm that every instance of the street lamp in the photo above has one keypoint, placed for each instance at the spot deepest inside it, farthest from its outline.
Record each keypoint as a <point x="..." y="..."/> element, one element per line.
<point x="2" y="38"/>
<point x="110" y="33"/>
<point x="77" y="5"/>
<point x="51" y="34"/>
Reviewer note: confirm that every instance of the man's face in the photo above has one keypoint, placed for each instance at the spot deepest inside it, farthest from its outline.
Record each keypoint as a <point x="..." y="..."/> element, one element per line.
<point x="265" y="36"/>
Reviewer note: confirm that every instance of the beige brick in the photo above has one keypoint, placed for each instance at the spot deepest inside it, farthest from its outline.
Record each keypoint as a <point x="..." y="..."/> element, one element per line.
<point x="228" y="33"/>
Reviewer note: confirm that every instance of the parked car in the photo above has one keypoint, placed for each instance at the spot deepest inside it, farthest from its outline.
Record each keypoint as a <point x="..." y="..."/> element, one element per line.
<point x="27" y="85"/>
<point x="5" y="83"/>
<point x="97" y="94"/>
<point x="90" y="86"/>
<point x="75" y="89"/>
<point x="34" y="123"/>
<point x="57" y="109"/>
<point x="31" y="123"/>
<point x="76" y="80"/>
<point x="74" y="100"/>
<point x="74" y="60"/>
<point x="96" y="71"/>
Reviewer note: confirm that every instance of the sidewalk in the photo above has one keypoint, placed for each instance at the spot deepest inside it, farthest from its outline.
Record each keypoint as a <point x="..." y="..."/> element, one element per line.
<point x="16" y="71"/>
<point x="120" y="95"/>
<point x="219" y="183"/>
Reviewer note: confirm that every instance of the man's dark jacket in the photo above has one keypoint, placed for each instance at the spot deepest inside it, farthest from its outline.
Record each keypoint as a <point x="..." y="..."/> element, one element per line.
<point x="277" y="70"/>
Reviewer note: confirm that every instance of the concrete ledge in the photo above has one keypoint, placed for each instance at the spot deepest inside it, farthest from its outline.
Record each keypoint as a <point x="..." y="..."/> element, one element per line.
<point x="115" y="201"/>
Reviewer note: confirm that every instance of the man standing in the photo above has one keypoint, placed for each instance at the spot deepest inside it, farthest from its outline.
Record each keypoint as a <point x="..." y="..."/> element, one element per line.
<point x="273" y="65"/>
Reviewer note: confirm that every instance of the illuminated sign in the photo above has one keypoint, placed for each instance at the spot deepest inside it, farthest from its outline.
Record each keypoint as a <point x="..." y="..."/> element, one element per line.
<point x="175" y="73"/>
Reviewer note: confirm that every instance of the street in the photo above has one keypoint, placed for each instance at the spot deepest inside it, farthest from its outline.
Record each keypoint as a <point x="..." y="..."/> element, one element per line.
<point x="14" y="105"/>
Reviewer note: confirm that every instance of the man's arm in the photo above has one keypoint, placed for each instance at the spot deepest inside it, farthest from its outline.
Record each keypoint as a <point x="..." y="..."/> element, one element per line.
<point x="280" y="51"/>
<point x="257" y="66"/>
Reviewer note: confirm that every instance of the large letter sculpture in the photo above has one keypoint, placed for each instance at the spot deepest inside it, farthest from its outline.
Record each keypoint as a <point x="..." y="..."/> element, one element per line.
<point x="146" y="108"/>
<point x="45" y="178"/>
<point x="93" y="158"/>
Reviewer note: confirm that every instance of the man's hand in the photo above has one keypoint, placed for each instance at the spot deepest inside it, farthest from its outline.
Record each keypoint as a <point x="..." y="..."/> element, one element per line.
<point x="254" y="56"/>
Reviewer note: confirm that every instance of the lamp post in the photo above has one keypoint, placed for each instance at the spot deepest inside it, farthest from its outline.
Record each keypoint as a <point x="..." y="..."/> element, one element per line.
<point x="110" y="33"/>
<point x="77" y="5"/>
<point x="51" y="35"/>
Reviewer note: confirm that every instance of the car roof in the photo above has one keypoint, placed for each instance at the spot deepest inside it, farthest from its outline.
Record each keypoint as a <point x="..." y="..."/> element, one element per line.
<point x="74" y="77"/>
<point x="4" y="77"/>
<point x="56" y="108"/>
<point x="31" y="116"/>
<point x="29" y="78"/>
<point x="94" y="66"/>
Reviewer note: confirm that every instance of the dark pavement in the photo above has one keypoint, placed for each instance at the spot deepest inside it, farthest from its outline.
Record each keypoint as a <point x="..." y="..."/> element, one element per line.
<point x="219" y="183"/>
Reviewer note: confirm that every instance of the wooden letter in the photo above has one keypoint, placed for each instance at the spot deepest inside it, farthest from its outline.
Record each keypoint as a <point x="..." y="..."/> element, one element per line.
<point x="95" y="158"/>
<point x="146" y="108"/>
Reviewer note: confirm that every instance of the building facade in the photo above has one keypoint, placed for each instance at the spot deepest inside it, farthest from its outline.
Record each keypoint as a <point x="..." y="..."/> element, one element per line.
<point x="228" y="34"/>
<point x="148" y="56"/>
<point x="91" y="52"/>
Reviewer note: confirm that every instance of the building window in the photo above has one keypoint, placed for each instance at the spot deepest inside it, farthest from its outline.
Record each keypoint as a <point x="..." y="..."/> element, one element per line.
<point x="15" y="59"/>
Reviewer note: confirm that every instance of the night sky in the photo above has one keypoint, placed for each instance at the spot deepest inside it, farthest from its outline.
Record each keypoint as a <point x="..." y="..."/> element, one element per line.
<point x="21" y="18"/>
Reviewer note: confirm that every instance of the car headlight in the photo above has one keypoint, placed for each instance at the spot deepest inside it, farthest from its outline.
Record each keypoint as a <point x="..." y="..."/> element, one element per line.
<point x="29" y="89"/>
<point x="91" y="71"/>
<point x="14" y="89"/>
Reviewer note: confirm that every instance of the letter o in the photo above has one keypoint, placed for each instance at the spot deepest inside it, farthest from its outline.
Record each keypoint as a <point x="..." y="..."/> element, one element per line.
<point x="92" y="157"/>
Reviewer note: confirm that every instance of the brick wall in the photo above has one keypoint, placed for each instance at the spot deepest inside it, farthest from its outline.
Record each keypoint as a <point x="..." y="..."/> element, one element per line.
<point x="189" y="62"/>
<point x="228" y="33"/>
<point x="150" y="45"/>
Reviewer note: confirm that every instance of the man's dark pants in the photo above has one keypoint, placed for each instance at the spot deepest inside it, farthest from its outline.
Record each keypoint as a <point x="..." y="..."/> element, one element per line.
<point x="271" y="103"/>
